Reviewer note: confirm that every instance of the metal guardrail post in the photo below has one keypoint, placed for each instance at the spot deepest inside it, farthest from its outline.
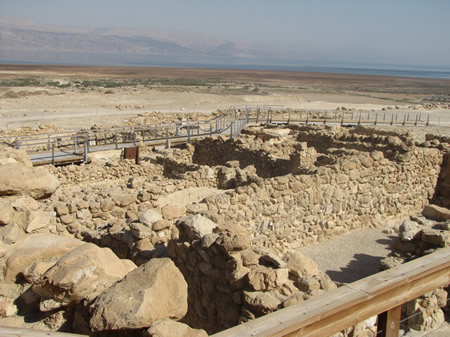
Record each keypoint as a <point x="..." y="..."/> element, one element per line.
<point x="115" y="140"/>
<point x="342" y="119"/>
<point x="189" y="134"/>
<point x="289" y="117"/>
<point x="359" y="120"/>
<point x="49" y="142"/>
<point x="428" y="120"/>
<point x="53" y="152"/>
<point x="167" y="138"/>
<point x="404" y="119"/>
<point x="86" y="150"/>
<point x="416" y="120"/>
<point x="392" y="119"/>
<point x="134" y="138"/>
<point x="376" y="119"/>
<point x="231" y="130"/>
<point x="198" y="128"/>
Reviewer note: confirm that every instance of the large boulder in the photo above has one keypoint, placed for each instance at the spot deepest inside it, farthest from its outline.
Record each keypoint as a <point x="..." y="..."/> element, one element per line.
<point x="35" y="250"/>
<point x="154" y="291"/>
<point x="9" y="155"/>
<point x="83" y="273"/>
<point x="436" y="212"/>
<point x="16" y="179"/>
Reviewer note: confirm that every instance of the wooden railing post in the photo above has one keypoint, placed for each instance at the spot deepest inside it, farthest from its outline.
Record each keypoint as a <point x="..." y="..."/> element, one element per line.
<point x="389" y="323"/>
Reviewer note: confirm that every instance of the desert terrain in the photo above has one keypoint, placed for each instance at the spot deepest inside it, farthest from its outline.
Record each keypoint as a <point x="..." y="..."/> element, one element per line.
<point x="74" y="97"/>
<point x="311" y="206"/>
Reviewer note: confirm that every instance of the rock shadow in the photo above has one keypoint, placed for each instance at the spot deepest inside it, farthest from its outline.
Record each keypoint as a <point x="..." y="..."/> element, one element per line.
<point x="362" y="265"/>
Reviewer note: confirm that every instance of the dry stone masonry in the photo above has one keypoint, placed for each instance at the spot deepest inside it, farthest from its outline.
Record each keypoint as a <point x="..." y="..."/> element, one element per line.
<point x="206" y="234"/>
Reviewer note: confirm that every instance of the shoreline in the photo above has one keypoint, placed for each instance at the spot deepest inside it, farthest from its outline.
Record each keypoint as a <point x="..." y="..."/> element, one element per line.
<point x="327" y="71"/>
<point x="204" y="72"/>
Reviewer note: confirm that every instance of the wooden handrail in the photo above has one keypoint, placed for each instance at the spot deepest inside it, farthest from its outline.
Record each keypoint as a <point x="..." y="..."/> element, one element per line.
<point x="348" y="305"/>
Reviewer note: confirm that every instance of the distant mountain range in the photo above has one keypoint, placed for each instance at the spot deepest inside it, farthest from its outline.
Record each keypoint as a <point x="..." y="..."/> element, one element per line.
<point x="23" y="41"/>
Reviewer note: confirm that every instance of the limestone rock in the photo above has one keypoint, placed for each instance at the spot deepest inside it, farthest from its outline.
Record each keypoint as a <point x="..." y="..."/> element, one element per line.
<point x="249" y="258"/>
<point x="37" y="182"/>
<point x="261" y="302"/>
<point x="263" y="278"/>
<point x="171" y="212"/>
<point x="436" y="237"/>
<point x="436" y="212"/>
<point x="123" y="200"/>
<point x="140" y="231"/>
<point x="10" y="234"/>
<point x="6" y="212"/>
<point x="196" y="226"/>
<point x="161" y="224"/>
<point x="37" y="248"/>
<point x="408" y="230"/>
<point x="235" y="241"/>
<point x="8" y="294"/>
<point x="24" y="203"/>
<point x="300" y="265"/>
<point x="169" y="328"/>
<point x="293" y="299"/>
<point x="36" y="220"/>
<point x="391" y="262"/>
<point x="154" y="291"/>
<point x="83" y="273"/>
<point x="149" y="216"/>
<point x="8" y="155"/>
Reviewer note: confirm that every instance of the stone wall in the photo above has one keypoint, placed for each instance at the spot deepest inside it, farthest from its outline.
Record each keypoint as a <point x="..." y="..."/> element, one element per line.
<point x="356" y="181"/>
<point x="230" y="282"/>
<point x="442" y="195"/>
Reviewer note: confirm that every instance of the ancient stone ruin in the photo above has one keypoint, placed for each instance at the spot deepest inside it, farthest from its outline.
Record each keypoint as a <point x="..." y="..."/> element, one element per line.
<point x="199" y="238"/>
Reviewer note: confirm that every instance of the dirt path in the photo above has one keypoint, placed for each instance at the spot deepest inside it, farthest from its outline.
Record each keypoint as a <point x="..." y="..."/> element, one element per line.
<point x="352" y="256"/>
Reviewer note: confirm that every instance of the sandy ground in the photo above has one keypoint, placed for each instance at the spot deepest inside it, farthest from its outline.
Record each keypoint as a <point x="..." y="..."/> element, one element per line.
<point x="72" y="105"/>
<point x="352" y="256"/>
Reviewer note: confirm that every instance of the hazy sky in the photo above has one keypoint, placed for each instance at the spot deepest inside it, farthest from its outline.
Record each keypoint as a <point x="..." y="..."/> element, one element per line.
<point x="365" y="31"/>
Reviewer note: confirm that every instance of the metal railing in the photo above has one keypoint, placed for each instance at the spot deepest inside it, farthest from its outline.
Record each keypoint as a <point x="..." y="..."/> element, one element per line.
<point x="75" y="145"/>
